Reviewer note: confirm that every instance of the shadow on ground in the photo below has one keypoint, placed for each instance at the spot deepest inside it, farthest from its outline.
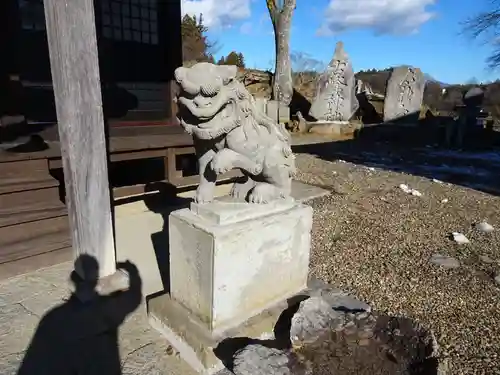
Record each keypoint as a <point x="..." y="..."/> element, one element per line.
<point x="164" y="202"/>
<point x="419" y="150"/>
<point x="80" y="336"/>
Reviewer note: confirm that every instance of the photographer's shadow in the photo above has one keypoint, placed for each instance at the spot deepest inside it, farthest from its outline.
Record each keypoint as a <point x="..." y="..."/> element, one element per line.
<point x="81" y="335"/>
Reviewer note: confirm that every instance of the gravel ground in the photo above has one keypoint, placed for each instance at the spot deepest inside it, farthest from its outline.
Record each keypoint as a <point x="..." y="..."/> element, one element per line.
<point x="372" y="239"/>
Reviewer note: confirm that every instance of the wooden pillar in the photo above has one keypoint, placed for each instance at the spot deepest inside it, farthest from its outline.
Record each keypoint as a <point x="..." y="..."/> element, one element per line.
<point x="71" y="35"/>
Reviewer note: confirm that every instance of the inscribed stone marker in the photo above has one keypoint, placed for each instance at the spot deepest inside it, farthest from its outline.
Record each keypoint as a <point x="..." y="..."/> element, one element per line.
<point x="336" y="90"/>
<point x="404" y="94"/>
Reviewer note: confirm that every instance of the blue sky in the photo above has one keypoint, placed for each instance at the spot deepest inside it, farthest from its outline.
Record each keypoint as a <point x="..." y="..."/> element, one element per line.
<point x="376" y="33"/>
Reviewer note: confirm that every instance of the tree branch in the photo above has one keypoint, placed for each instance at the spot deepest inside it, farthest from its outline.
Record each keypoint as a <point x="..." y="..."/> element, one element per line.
<point x="486" y="25"/>
<point x="494" y="60"/>
<point x="482" y="23"/>
<point x="288" y="7"/>
<point x="276" y="12"/>
<point x="273" y="10"/>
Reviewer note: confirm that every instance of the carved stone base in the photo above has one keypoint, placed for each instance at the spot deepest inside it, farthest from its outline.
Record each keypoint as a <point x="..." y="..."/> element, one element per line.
<point x="328" y="128"/>
<point x="230" y="261"/>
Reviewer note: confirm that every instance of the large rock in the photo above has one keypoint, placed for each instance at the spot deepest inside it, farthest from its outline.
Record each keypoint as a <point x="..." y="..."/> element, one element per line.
<point x="405" y="92"/>
<point x="336" y="91"/>
<point x="258" y="359"/>
<point x="313" y="318"/>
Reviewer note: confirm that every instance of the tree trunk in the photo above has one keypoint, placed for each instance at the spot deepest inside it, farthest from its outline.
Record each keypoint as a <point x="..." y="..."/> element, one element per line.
<point x="282" y="22"/>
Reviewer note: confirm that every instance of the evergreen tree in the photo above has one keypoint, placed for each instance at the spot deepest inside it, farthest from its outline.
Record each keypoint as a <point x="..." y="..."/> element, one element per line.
<point x="232" y="58"/>
<point x="195" y="44"/>
<point x="241" y="60"/>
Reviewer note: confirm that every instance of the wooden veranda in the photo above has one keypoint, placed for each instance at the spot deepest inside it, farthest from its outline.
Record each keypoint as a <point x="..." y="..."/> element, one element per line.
<point x="93" y="81"/>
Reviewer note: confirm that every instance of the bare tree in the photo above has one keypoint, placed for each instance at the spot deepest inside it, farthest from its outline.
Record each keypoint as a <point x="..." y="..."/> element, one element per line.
<point x="486" y="26"/>
<point x="281" y="16"/>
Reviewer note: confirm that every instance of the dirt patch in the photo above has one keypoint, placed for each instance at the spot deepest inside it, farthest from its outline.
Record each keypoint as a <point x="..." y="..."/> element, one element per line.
<point x="375" y="345"/>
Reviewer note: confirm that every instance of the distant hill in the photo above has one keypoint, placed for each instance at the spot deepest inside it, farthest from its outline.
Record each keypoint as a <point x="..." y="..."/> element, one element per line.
<point x="429" y="78"/>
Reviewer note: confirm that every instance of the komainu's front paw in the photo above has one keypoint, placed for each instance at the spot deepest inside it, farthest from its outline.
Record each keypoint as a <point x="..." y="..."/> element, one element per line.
<point x="240" y="189"/>
<point x="263" y="193"/>
<point x="204" y="194"/>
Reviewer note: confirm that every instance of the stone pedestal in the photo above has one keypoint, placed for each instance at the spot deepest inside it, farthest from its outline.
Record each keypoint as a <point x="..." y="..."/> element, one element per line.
<point x="230" y="262"/>
<point x="261" y="104"/>
<point x="278" y="111"/>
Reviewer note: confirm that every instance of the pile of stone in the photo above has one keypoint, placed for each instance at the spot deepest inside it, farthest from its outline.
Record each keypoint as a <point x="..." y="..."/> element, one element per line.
<point x="328" y="321"/>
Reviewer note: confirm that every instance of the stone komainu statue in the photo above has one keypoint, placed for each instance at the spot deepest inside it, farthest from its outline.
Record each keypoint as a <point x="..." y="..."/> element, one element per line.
<point x="230" y="132"/>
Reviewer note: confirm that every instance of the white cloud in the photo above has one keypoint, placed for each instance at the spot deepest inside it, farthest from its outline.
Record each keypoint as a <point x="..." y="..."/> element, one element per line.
<point x="246" y="28"/>
<point x="382" y="16"/>
<point x="218" y="13"/>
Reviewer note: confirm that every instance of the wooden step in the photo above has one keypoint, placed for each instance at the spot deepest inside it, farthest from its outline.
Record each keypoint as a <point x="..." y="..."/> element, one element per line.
<point x="36" y="262"/>
<point x="25" y="167"/>
<point x="34" y="238"/>
<point x="28" y="182"/>
<point x="31" y="197"/>
<point x="28" y="212"/>
<point x="25" y="175"/>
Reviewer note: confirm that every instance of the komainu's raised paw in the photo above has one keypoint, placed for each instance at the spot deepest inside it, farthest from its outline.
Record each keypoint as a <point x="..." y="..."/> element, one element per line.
<point x="221" y="165"/>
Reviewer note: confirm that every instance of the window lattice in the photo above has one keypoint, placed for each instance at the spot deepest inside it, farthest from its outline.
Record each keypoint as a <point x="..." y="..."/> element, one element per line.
<point x="130" y="20"/>
<point x="123" y="20"/>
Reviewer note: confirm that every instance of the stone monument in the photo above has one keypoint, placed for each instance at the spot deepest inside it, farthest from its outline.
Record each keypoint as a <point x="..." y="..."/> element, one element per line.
<point x="359" y="87"/>
<point x="473" y="101"/>
<point x="233" y="259"/>
<point x="468" y="113"/>
<point x="335" y="99"/>
<point x="404" y="94"/>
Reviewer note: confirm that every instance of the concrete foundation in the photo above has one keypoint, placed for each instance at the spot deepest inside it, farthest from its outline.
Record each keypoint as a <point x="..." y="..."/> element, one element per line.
<point x="196" y="344"/>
